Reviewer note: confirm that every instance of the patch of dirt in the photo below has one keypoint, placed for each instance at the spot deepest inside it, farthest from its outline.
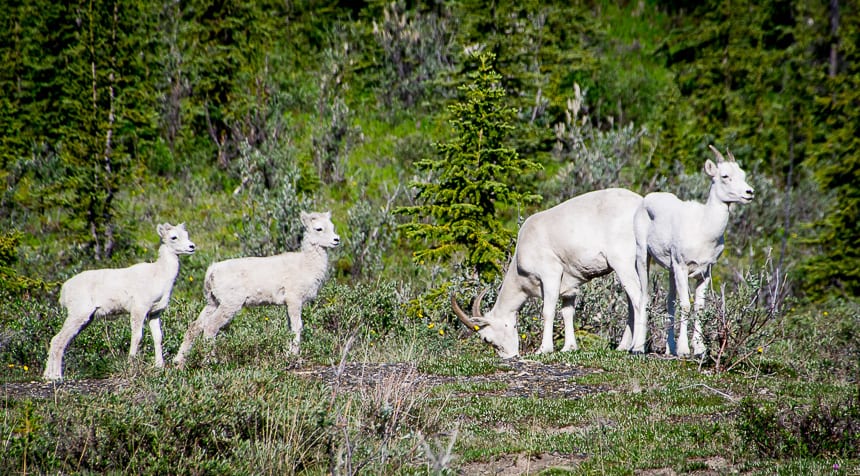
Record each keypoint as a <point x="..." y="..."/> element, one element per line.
<point x="519" y="464"/>
<point x="522" y="378"/>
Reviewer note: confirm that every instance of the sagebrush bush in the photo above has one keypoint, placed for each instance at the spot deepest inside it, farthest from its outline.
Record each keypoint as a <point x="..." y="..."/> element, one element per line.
<point x="593" y="157"/>
<point x="272" y="198"/>
<point x="826" y="428"/>
<point x="368" y="311"/>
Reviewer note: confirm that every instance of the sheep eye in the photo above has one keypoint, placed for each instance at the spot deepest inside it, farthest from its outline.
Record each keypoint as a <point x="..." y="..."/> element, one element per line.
<point x="319" y="228"/>
<point x="725" y="176"/>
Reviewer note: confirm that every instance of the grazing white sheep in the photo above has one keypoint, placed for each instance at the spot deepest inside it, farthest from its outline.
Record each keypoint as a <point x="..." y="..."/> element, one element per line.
<point x="143" y="290"/>
<point x="687" y="239"/>
<point x="557" y="251"/>
<point x="289" y="279"/>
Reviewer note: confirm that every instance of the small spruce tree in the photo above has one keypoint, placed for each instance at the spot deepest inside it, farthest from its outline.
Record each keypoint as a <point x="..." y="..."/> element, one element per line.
<point x="471" y="178"/>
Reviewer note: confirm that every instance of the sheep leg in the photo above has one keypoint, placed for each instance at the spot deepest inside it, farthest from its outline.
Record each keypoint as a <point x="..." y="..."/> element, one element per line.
<point x="671" y="348"/>
<point x="217" y="319"/>
<point x="194" y="330"/>
<point x="632" y="341"/>
<point x="698" y="305"/>
<point x="157" y="335"/>
<point x="73" y="325"/>
<point x="551" y="289"/>
<point x="568" y="308"/>
<point x="138" y="319"/>
<point x="683" y="297"/>
<point x="295" y="313"/>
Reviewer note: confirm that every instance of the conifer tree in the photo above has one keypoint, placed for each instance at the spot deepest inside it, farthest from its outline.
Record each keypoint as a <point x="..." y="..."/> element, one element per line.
<point x="834" y="267"/>
<point x="471" y="179"/>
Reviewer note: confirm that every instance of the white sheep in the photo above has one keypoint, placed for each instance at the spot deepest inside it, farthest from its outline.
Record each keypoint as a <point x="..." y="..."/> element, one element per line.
<point x="290" y="279"/>
<point x="557" y="251"/>
<point x="687" y="239"/>
<point x="143" y="290"/>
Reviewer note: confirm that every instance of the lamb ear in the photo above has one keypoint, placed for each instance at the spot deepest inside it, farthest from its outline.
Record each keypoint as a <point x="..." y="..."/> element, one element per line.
<point x="162" y="229"/>
<point x="711" y="168"/>
<point x="305" y="217"/>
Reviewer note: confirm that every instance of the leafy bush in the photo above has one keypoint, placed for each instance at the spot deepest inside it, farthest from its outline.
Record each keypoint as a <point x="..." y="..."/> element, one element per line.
<point x="369" y="311"/>
<point x="273" y="199"/>
<point x="822" y="429"/>
<point x="592" y="157"/>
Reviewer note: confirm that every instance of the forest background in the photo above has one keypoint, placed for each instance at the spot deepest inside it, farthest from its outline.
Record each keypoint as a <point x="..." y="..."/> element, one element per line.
<point x="233" y="117"/>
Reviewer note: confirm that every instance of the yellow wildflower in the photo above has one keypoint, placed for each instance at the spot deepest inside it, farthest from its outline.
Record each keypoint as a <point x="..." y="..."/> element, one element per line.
<point x="25" y="368"/>
<point x="431" y="325"/>
<point x="441" y="332"/>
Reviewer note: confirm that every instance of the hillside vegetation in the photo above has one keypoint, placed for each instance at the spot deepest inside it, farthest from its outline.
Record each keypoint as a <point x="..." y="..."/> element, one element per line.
<point x="430" y="130"/>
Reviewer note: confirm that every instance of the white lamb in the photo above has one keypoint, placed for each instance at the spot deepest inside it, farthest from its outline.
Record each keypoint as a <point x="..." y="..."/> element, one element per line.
<point x="687" y="239"/>
<point x="143" y="290"/>
<point x="289" y="279"/>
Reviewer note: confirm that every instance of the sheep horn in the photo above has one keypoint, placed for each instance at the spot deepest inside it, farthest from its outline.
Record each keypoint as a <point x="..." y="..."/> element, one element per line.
<point x="731" y="156"/>
<point x="476" y="306"/>
<point x="720" y="157"/>
<point x="461" y="315"/>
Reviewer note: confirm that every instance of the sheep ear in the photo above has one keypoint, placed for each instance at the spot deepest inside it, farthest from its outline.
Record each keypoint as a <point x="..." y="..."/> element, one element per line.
<point x="711" y="168"/>
<point x="305" y="217"/>
<point x="162" y="229"/>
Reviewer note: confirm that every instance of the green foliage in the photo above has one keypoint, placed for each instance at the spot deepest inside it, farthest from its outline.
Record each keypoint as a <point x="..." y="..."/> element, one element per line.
<point x="417" y="47"/>
<point x="473" y="178"/>
<point x="368" y="311"/>
<point x="787" y="430"/>
<point x="834" y="267"/>
<point x="592" y="157"/>
<point x="10" y="281"/>
<point x="273" y="194"/>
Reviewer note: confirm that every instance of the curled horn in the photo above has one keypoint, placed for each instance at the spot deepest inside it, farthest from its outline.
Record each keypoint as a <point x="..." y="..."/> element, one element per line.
<point x="720" y="157"/>
<point x="462" y="315"/>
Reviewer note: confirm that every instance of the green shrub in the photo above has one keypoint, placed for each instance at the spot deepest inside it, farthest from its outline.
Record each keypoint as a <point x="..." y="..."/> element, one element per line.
<point x="788" y="430"/>
<point x="369" y="311"/>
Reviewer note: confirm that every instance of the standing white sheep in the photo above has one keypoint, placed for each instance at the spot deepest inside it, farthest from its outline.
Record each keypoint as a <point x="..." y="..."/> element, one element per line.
<point x="143" y="290"/>
<point x="687" y="239"/>
<point x="290" y="279"/>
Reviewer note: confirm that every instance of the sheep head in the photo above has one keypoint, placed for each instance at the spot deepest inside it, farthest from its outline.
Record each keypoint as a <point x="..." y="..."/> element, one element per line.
<point x="176" y="238"/>
<point x="319" y="230"/>
<point x="498" y="332"/>
<point x="728" y="179"/>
